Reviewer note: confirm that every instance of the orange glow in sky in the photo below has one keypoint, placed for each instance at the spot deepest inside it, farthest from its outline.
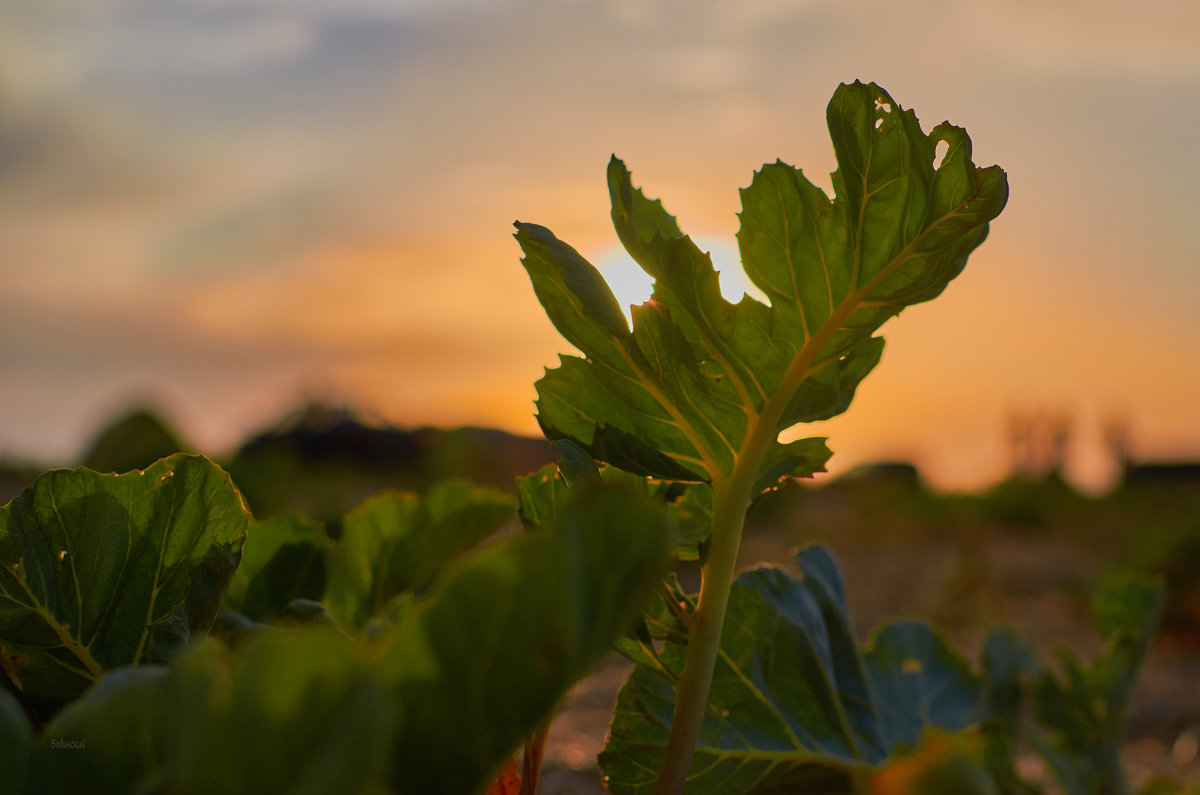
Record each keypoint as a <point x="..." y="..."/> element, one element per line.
<point x="226" y="207"/>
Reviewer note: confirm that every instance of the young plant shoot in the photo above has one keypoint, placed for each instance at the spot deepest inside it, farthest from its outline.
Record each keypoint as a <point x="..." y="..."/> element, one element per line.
<point x="699" y="389"/>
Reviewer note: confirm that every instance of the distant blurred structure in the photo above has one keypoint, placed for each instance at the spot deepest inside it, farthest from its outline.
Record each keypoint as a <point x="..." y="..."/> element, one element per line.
<point x="132" y="441"/>
<point x="1039" y="442"/>
<point x="889" y="494"/>
<point x="15" y="476"/>
<point x="1142" y="475"/>
<point x="323" y="460"/>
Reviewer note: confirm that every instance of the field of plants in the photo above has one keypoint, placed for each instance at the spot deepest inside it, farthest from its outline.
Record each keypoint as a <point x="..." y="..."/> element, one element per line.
<point x="181" y="628"/>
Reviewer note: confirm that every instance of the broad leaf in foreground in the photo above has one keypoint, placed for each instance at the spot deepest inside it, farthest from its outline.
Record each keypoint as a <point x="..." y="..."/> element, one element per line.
<point x="480" y="663"/>
<point x="100" y="571"/>
<point x="795" y="705"/>
<point x="699" y="383"/>
<point x="286" y="712"/>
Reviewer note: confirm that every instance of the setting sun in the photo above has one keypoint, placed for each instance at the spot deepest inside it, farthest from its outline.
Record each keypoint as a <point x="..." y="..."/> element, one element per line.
<point x="631" y="285"/>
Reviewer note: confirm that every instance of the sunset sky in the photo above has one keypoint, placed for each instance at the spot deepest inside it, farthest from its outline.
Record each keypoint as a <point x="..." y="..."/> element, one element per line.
<point x="222" y="206"/>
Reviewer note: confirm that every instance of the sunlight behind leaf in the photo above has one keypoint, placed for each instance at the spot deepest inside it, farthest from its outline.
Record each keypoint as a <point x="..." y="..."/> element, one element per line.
<point x="632" y="285"/>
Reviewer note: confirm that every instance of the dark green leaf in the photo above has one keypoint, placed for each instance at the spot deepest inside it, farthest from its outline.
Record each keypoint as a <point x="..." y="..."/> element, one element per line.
<point x="100" y="571"/>
<point x="919" y="681"/>
<point x="795" y="705"/>
<point x="283" y="559"/>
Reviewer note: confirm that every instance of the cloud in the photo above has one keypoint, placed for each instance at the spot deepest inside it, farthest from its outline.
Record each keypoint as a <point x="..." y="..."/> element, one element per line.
<point x="224" y="43"/>
<point x="387" y="9"/>
<point x="1147" y="38"/>
<point x="705" y="68"/>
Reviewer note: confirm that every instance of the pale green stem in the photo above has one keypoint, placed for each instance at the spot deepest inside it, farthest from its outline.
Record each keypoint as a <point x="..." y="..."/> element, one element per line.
<point x="704" y="638"/>
<point x="731" y="498"/>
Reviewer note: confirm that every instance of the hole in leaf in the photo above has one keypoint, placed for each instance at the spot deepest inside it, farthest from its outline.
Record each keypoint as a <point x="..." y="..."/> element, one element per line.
<point x="886" y="107"/>
<point x="62" y="555"/>
<point x="878" y="123"/>
<point x="939" y="153"/>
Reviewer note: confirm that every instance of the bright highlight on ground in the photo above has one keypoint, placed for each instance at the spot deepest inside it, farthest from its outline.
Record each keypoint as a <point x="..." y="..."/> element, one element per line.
<point x="632" y="285"/>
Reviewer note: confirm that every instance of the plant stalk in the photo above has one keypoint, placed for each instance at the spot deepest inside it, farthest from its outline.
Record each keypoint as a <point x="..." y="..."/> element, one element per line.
<point x="531" y="763"/>
<point x="704" y="639"/>
<point x="731" y="499"/>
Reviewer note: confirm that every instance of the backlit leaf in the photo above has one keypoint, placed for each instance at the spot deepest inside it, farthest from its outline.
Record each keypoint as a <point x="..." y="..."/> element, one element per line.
<point x="100" y="571"/>
<point x="678" y="395"/>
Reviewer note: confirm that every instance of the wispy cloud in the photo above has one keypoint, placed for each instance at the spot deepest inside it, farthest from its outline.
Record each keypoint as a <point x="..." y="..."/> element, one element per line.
<point x="1155" y="38"/>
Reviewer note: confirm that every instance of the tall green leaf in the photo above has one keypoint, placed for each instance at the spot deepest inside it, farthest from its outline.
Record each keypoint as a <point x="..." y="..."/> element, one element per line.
<point x="796" y="705"/>
<point x="99" y="571"/>
<point x="696" y="384"/>
<point x="483" y="660"/>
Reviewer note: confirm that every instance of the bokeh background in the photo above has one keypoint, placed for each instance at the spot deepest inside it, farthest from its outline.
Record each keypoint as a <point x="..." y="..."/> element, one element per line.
<point x="224" y="207"/>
